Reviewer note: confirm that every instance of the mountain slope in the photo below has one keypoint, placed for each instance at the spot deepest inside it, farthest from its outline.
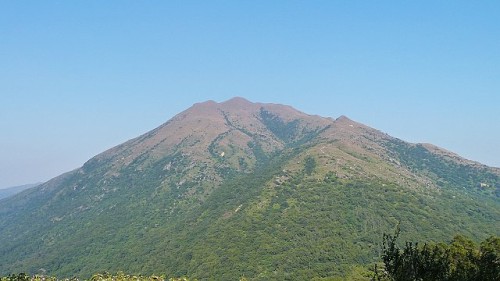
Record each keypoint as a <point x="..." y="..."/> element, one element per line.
<point x="232" y="189"/>
<point x="9" y="191"/>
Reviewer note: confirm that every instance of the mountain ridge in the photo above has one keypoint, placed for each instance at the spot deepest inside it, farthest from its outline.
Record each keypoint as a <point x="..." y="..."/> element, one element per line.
<point x="9" y="191"/>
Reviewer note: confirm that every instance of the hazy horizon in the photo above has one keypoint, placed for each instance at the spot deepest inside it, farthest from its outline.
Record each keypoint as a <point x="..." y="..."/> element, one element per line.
<point x="78" y="78"/>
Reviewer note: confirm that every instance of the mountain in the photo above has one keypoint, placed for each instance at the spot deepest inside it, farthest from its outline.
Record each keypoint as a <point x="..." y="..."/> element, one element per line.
<point x="232" y="189"/>
<point x="9" y="191"/>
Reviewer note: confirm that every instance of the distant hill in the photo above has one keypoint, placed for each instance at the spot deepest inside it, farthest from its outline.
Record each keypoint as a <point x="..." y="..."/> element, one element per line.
<point x="232" y="189"/>
<point x="9" y="191"/>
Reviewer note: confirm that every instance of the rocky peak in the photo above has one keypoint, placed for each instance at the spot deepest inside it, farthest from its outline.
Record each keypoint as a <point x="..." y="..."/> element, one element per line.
<point x="238" y="102"/>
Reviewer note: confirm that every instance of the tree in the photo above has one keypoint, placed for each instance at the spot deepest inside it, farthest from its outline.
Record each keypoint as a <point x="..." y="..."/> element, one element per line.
<point x="489" y="261"/>
<point x="461" y="260"/>
<point x="310" y="165"/>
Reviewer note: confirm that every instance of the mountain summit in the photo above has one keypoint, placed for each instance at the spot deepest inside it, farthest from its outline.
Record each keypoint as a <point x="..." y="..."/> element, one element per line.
<point x="231" y="189"/>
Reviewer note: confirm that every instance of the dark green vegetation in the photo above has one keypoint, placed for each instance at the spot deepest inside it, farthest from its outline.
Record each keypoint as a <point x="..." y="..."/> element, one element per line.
<point x="460" y="260"/>
<point x="237" y="189"/>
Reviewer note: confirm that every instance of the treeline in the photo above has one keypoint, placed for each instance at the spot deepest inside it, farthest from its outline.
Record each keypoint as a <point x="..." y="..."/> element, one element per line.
<point x="459" y="260"/>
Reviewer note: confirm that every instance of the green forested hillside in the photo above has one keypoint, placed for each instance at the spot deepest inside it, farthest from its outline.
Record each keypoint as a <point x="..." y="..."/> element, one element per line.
<point x="268" y="193"/>
<point x="459" y="260"/>
<point x="308" y="228"/>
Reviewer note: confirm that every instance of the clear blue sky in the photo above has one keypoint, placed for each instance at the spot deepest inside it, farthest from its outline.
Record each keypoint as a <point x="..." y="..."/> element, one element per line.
<point x="78" y="77"/>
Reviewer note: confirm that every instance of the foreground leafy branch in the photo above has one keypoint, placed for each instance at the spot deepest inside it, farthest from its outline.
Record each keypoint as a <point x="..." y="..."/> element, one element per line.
<point x="120" y="276"/>
<point x="105" y="276"/>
